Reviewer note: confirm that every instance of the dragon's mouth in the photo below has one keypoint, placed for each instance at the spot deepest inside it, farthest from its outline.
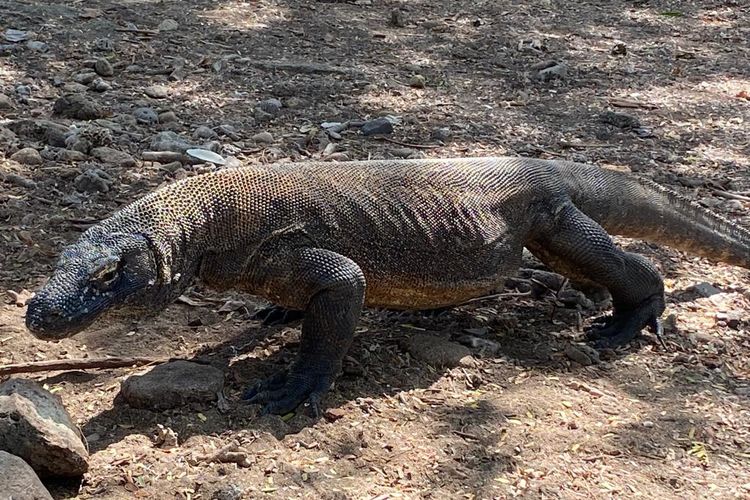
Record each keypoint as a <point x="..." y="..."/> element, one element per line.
<point x="52" y="325"/>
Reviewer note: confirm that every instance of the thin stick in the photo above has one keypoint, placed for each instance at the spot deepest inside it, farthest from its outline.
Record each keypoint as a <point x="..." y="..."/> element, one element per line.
<point x="497" y="296"/>
<point x="138" y="31"/>
<point x="77" y="364"/>
<point x="408" y="145"/>
<point x="730" y="196"/>
<point x="573" y="145"/>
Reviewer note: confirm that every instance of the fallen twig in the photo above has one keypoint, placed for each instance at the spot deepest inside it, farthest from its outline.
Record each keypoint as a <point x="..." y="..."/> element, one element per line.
<point x="564" y="144"/>
<point x="77" y="364"/>
<point x="497" y="296"/>
<point x="137" y="30"/>
<point x="730" y="196"/>
<point x="299" y="67"/>
<point x="408" y="145"/>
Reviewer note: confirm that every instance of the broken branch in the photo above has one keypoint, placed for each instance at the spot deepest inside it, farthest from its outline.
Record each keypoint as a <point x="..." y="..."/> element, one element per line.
<point x="77" y="364"/>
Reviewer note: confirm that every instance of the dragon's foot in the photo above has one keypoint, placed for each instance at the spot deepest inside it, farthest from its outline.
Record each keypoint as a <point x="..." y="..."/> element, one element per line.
<point x="284" y="391"/>
<point x="277" y="315"/>
<point x="625" y="324"/>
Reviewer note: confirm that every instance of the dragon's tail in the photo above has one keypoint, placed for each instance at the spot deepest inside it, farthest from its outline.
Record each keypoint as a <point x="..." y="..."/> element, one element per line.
<point x="640" y="208"/>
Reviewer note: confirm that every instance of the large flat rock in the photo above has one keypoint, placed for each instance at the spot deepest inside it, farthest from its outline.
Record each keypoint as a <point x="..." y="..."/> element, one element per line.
<point x="173" y="384"/>
<point x="35" y="426"/>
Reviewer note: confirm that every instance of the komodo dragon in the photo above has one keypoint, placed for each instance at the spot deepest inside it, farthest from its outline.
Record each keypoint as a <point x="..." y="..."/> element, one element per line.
<point x="330" y="238"/>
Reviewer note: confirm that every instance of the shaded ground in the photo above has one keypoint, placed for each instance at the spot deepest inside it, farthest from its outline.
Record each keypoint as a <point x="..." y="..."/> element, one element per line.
<point x="526" y="421"/>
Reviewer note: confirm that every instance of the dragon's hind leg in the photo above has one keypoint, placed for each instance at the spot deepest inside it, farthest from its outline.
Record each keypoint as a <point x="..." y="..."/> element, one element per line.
<point x="575" y="245"/>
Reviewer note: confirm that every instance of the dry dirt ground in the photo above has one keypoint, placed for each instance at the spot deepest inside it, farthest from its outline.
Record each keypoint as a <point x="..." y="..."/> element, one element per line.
<point x="653" y="421"/>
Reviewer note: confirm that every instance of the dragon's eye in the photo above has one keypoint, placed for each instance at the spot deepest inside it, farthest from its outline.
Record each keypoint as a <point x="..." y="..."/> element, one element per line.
<point x="106" y="276"/>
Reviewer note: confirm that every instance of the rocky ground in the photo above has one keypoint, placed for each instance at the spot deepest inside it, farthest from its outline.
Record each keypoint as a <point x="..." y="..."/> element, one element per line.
<point x="89" y="90"/>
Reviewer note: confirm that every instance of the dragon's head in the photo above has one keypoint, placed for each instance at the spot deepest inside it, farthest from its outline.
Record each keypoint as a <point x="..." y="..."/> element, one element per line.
<point x="91" y="277"/>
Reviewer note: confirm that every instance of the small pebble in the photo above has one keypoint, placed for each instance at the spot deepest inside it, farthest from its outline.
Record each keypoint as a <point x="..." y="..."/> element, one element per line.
<point x="168" y="25"/>
<point x="37" y="46"/>
<point x="146" y="115"/>
<point x="103" y="67"/>
<point x="558" y="71"/>
<point x="620" y="49"/>
<point x="203" y="132"/>
<point x="85" y="77"/>
<point x="377" y="126"/>
<point x="156" y="91"/>
<point x="5" y="103"/>
<point x="104" y="45"/>
<point x="168" y="117"/>
<point x="441" y="133"/>
<point x="27" y="156"/>
<point x="20" y="181"/>
<point x="100" y="85"/>
<point x="270" y="106"/>
<point x="263" y="138"/>
<point x="417" y="81"/>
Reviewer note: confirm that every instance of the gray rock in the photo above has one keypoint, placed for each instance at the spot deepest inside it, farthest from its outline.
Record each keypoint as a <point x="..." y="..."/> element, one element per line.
<point x="8" y="139"/>
<point x="557" y="71"/>
<point x="63" y="155"/>
<point x="73" y="87"/>
<point x="437" y="351"/>
<point x="27" y="156"/>
<point x="404" y="153"/>
<point x="23" y="90"/>
<point x="173" y="384"/>
<point x="270" y="106"/>
<point x="441" y="134"/>
<point x="417" y="81"/>
<point x="377" y="126"/>
<point x="261" y="116"/>
<point x="156" y="91"/>
<point x="619" y="120"/>
<point x="170" y="141"/>
<point x="146" y="115"/>
<point x="168" y="117"/>
<point x="19" y="481"/>
<point x="37" y="46"/>
<point x="103" y="67"/>
<point x="168" y="25"/>
<point x="5" y="103"/>
<point x="93" y="180"/>
<point x="84" y="77"/>
<point x="79" y="107"/>
<point x="100" y="85"/>
<point x="35" y="426"/>
<point x="111" y="156"/>
<point x="19" y="180"/>
<point x="229" y="131"/>
<point x="49" y="132"/>
<point x="104" y="45"/>
<point x="71" y="200"/>
<point x="704" y="289"/>
<point x="262" y="138"/>
<point x="203" y="132"/>
<point x="582" y="354"/>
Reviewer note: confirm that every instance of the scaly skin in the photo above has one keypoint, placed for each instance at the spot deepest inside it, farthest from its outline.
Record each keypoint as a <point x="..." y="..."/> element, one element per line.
<point x="330" y="238"/>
